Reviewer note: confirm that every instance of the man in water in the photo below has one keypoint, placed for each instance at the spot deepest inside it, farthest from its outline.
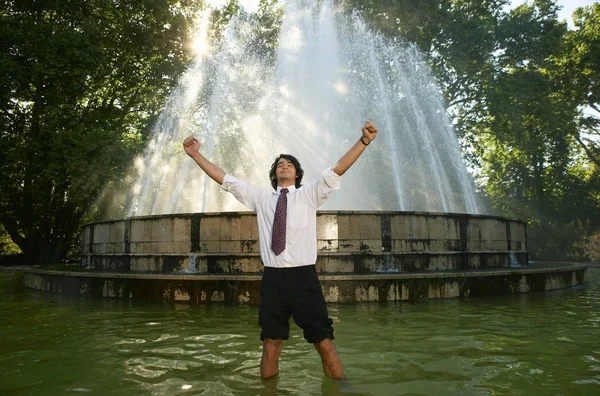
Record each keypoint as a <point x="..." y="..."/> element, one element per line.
<point x="287" y="219"/>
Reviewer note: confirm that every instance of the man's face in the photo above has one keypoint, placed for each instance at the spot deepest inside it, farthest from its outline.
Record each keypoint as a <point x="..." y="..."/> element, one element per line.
<point x="286" y="171"/>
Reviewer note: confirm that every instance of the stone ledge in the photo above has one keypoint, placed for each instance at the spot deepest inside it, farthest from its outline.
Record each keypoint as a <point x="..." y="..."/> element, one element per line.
<point x="340" y="277"/>
<point x="329" y="254"/>
<point x="341" y="288"/>
<point x="188" y="216"/>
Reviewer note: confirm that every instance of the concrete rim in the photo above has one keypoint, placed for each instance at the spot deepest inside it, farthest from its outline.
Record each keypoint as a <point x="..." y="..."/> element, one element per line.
<point x="368" y="276"/>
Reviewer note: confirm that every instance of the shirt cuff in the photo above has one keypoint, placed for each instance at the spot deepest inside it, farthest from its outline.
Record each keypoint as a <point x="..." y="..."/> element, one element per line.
<point x="331" y="178"/>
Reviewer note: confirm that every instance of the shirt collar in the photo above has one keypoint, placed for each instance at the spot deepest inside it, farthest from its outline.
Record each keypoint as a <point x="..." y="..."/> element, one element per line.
<point x="291" y="190"/>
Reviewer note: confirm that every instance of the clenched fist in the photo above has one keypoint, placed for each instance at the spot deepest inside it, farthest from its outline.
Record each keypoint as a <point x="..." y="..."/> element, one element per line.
<point x="191" y="145"/>
<point x="369" y="132"/>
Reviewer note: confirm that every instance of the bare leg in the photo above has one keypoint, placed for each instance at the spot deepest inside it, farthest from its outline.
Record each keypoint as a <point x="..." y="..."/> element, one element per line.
<point x="269" y="363"/>
<point x="332" y="364"/>
<point x="270" y="386"/>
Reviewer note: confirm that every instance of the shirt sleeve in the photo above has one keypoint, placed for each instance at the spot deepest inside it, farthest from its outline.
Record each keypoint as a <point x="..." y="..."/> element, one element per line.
<point x="324" y="186"/>
<point x="244" y="193"/>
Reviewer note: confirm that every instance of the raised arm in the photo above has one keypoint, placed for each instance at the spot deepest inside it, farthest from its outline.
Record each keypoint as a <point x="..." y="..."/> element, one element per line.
<point x="368" y="134"/>
<point x="191" y="145"/>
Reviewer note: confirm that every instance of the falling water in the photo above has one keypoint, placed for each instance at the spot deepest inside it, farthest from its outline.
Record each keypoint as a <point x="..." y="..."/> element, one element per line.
<point x="309" y="97"/>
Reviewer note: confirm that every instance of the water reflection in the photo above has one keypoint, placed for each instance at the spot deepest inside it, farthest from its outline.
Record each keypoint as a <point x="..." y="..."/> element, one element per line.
<point x="535" y="344"/>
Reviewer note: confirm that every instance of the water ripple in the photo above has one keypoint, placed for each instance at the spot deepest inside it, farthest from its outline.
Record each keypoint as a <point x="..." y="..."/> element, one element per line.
<point x="526" y="345"/>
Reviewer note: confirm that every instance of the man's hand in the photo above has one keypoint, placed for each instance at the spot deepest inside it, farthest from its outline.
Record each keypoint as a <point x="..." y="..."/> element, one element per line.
<point x="191" y="145"/>
<point x="369" y="132"/>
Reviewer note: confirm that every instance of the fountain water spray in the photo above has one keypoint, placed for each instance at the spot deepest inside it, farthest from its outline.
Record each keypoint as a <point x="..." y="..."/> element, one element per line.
<point x="310" y="98"/>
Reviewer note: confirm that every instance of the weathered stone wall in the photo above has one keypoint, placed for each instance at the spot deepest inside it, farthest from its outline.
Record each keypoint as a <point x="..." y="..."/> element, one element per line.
<point x="348" y="242"/>
<point x="200" y="289"/>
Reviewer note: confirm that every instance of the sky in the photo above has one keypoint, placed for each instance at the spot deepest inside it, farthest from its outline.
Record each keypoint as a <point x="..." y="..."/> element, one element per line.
<point x="568" y="6"/>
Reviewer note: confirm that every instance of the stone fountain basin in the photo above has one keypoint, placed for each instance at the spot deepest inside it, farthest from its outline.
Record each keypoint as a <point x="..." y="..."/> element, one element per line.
<point x="362" y="256"/>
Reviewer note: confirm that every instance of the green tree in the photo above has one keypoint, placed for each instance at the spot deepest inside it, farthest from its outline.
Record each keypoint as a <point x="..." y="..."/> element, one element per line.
<point x="528" y="138"/>
<point x="81" y="83"/>
<point x="583" y="63"/>
<point x="7" y="246"/>
<point x="523" y="132"/>
<point x="525" y="136"/>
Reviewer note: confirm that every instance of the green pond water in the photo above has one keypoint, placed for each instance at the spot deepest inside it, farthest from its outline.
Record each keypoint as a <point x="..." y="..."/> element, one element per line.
<point x="526" y="345"/>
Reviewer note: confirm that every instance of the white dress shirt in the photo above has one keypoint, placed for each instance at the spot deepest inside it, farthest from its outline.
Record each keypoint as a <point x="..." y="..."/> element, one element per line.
<point x="301" y="224"/>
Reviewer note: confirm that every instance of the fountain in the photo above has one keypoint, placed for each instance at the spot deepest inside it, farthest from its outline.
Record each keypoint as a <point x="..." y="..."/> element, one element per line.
<point x="397" y="230"/>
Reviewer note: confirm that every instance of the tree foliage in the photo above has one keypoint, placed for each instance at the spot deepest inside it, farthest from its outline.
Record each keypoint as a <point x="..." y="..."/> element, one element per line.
<point x="81" y="82"/>
<point x="592" y="247"/>
<point x="527" y="141"/>
<point x="583" y="62"/>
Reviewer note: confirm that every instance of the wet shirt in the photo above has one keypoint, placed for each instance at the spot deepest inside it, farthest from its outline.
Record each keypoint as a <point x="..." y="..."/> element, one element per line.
<point x="301" y="226"/>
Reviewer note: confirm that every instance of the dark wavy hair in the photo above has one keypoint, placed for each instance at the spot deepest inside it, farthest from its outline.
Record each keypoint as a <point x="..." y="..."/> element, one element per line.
<point x="294" y="161"/>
